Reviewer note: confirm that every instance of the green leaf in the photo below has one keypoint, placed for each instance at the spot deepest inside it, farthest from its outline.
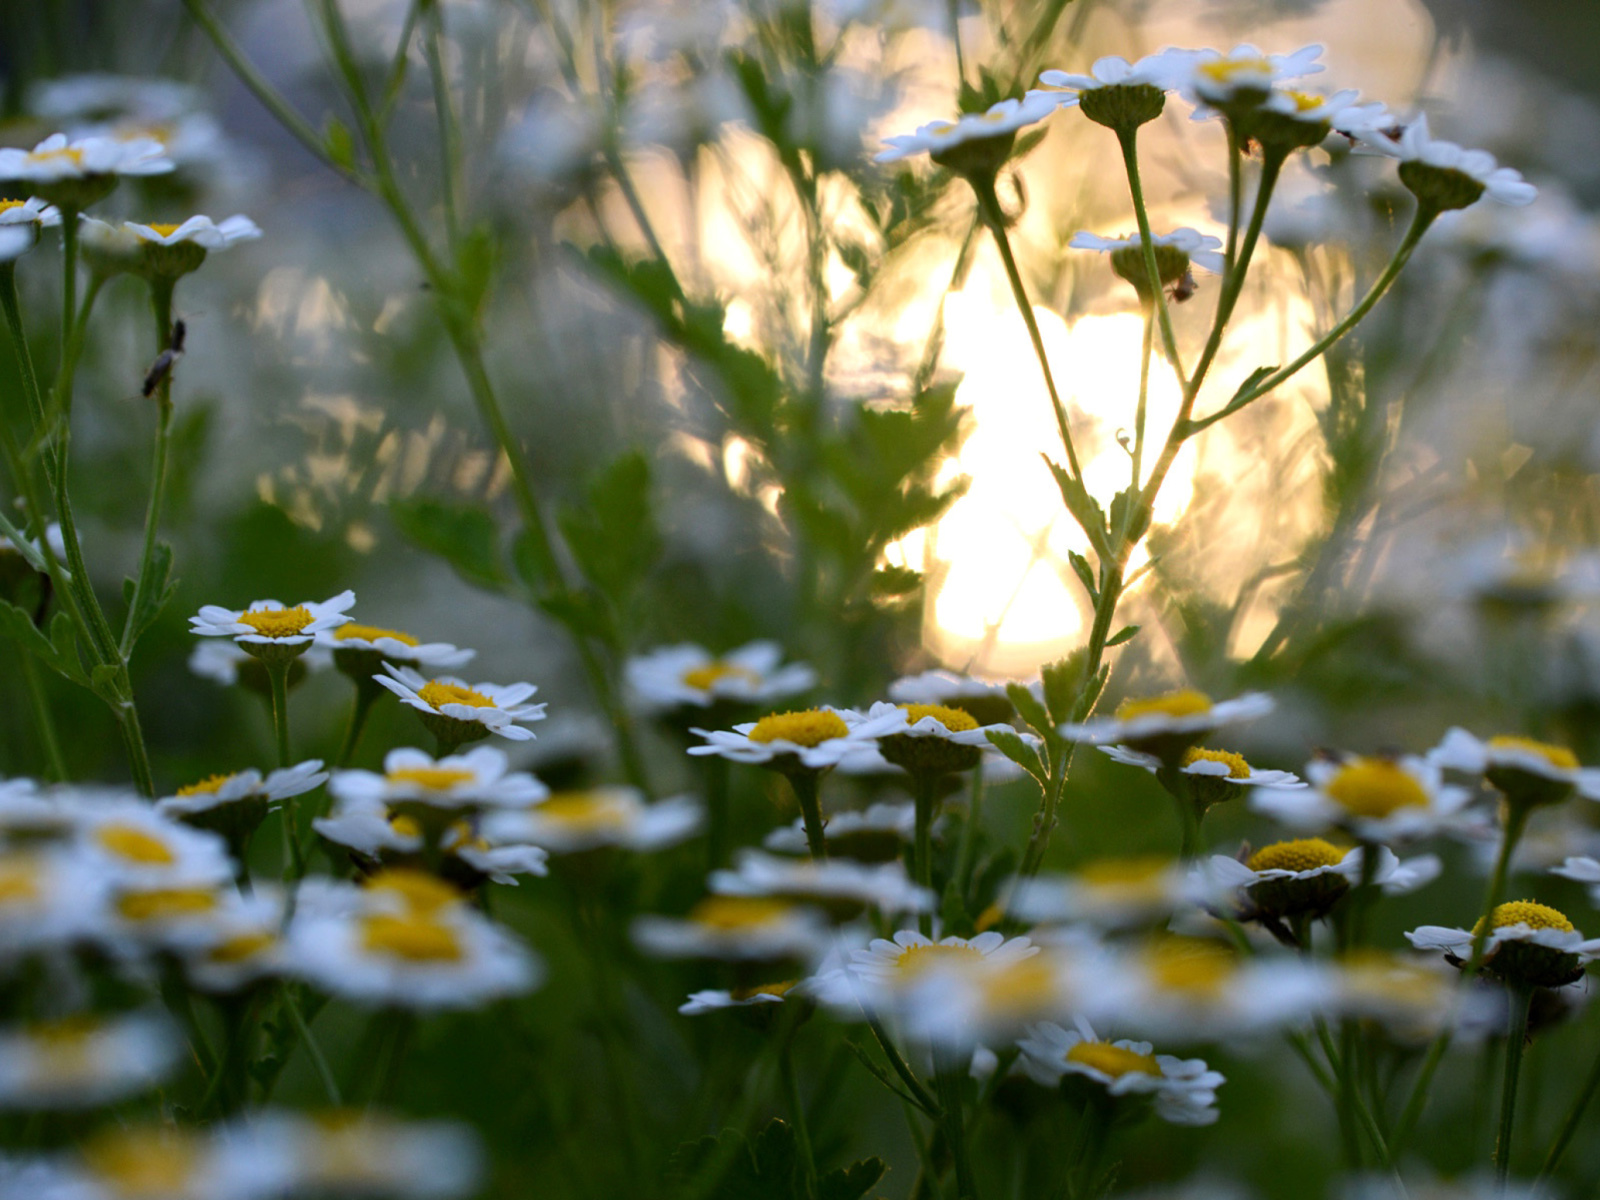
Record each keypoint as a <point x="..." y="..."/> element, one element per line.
<point x="852" y="1182"/>
<point x="1063" y="683"/>
<point x="339" y="143"/>
<point x="58" y="651"/>
<point x="1126" y="634"/>
<point x="1249" y="384"/>
<point x="613" y="535"/>
<point x="158" y="591"/>
<point x="727" y="1167"/>
<point x="1028" y="706"/>
<point x="584" y="613"/>
<point x="953" y="915"/>
<point x="475" y="266"/>
<point x="1085" y="574"/>
<point x="1018" y="751"/>
<point x="103" y="682"/>
<point x="464" y="537"/>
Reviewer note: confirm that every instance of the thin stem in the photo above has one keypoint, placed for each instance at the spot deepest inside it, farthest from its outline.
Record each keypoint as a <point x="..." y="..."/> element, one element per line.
<point x="366" y="696"/>
<point x="11" y="303"/>
<point x="805" y="785"/>
<point x="1146" y="347"/>
<point x="449" y="143"/>
<point x="161" y="306"/>
<point x="43" y="718"/>
<point x="1235" y="199"/>
<point x="926" y="790"/>
<point x="969" y="834"/>
<point x="278" y="679"/>
<point x="949" y="1081"/>
<point x="1128" y="140"/>
<point x="1516" y="1041"/>
<point x="69" y="285"/>
<point x="319" y="1061"/>
<point x="797" y="1110"/>
<point x="715" y="773"/>
<point x="907" y="1076"/>
<point x="1177" y="786"/>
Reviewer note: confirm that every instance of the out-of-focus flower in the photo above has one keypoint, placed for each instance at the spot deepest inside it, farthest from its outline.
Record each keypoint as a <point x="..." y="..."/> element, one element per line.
<point x="1376" y="799"/>
<point x="268" y="629"/>
<point x="1525" y="771"/>
<point x="878" y="834"/>
<point x="455" y="712"/>
<point x="690" y="675"/>
<point x="1527" y="943"/>
<point x="715" y="1000"/>
<point x="360" y="1154"/>
<point x="1444" y="176"/>
<point x="477" y="779"/>
<point x="73" y="175"/>
<point x="242" y="787"/>
<point x="227" y="664"/>
<point x="740" y="928"/>
<point x="569" y="822"/>
<point x="883" y="975"/>
<point x="84" y="1061"/>
<point x="134" y="845"/>
<point x="814" y="740"/>
<point x="20" y="222"/>
<point x="1167" y="725"/>
<point x="241" y="942"/>
<point x="1115" y="892"/>
<point x="1412" y="996"/>
<point x="840" y="886"/>
<point x="1244" y="76"/>
<point x="1214" y="776"/>
<point x="50" y="897"/>
<point x="1305" y="878"/>
<point x="155" y="1162"/>
<point x="986" y="701"/>
<point x="974" y="142"/>
<point x="1196" y="989"/>
<point x="1184" y="1090"/>
<point x="1175" y="252"/>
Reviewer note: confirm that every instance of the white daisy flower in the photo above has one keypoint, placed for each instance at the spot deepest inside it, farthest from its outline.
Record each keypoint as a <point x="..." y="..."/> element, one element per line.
<point x="987" y="134"/>
<point x="715" y="1000"/>
<point x="1580" y="868"/>
<point x="242" y="942"/>
<point x="133" y="844"/>
<point x="1305" y="878"/>
<point x="360" y="650"/>
<point x="933" y="739"/>
<point x="399" y="946"/>
<point x="1167" y="724"/>
<point x="1341" y="111"/>
<point x="478" y="778"/>
<point x="962" y="1001"/>
<point x="227" y="664"/>
<point x="1127" y="254"/>
<point x="1527" y="943"/>
<point x="674" y="676"/>
<point x="31" y="814"/>
<point x="1525" y="770"/>
<point x="740" y="928"/>
<point x="84" y="1061"/>
<point x="20" y="222"/>
<point x="1244" y="74"/>
<point x="242" y="787"/>
<point x="1165" y="70"/>
<point x="570" y="822"/>
<point x="1184" y="1090"/>
<point x="815" y="739"/>
<point x="50" y="897"/>
<point x="365" y="825"/>
<point x="1199" y="990"/>
<point x="884" y="975"/>
<point x="177" y="917"/>
<point x="878" y="834"/>
<point x="76" y="174"/>
<point x="984" y="699"/>
<point x="269" y="624"/>
<point x="155" y="1162"/>
<point x="199" y="231"/>
<point x="1375" y="799"/>
<point x="455" y="712"/>
<point x="355" y="1153"/>
<point x="1414" y="997"/>
<point x="96" y="95"/>
<point x="840" y="886"/>
<point x="1446" y="175"/>
<point x="1214" y="776"/>
<point x="1115" y="892"/>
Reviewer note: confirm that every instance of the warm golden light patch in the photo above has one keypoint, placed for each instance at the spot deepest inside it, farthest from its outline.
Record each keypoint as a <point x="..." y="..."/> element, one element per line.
<point x="433" y="779"/>
<point x="1115" y="1061"/>
<point x="135" y="845"/>
<point x="809" y="728"/>
<point x="1185" y="702"/>
<point x="209" y="786"/>
<point x="438" y="694"/>
<point x="1237" y="767"/>
<point x="728" y="914"/>
<point x="954" y="719"/>
<point x="165" y="904"/>
<point x="1302" y="854"/>
<point x="702" y="678"/>
<point x="371" y="633"/>
<point x="1558" y="757"/>
<point x="278" y="622"/>
<point x="1376" y="787"/>
<point x="415" y="937"/>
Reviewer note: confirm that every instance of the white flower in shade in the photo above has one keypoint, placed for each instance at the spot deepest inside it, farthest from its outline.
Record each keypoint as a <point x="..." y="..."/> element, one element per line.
<point x="1414" y="997"/>
<point x="96" y="95"/>
<point x="815" y="739"/>
<point x="840" y="886"/>
<point x="674" y="676"/>
<point x="20" y="222"/>
<point x="475" y="779"/>
<point x="1166" y="70"/>
<point x="178" y="918"/>
<point x="1213" y="776"/>
<point x="887" y="972"/>
<point x="84" y="1061"/>
<point x="715" y="1000"/>
<point x="1446" y="174"/>
<point x="1374" y="799"/>
<point x="569" y="822"/>
<point x="1524" y="769"/>
<point x="30" y="813"/>
<point x="241" y="942"/>
<point x="939" y="138"/>
<point x="200" y="231"/>
<point x="1307" y="877"/>
<point x="1580" y="868"/>
<point x="1527" y="943"/>
<point x="223" y="662"/>
<point x="1203" y="250"/>
<point x="154" y="1162"/>
<point x="1184" y="1090"/>
<point x="356" y="1153"/>
<point x="134" y="845"/>
<point x="984" y="699"/>
<point x="364" y="825"/>
<point x="242" y="787"/>
<point x="1172" y="720"/>
<point x="876" y="835"/>
<point x="486" y="707"/>
<point x="270" y="623"/>
<point x="406" y="941"/>
<point x="50" y="897"/>
<point x="739" y="928"/>
<point x="370" y="645"/>
<point x="963" y="1001"/>
<point x="55" y="159"/>
<point x="1196" y="989"/>
<point x="1244" y="72"/>
<point x="1115" y="892"/>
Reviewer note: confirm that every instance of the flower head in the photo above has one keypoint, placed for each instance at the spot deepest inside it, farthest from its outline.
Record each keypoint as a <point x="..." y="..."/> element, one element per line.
<point x="1167" y="725"/>
<point x="455" y="712"/>
<point x="1214" y="776"/>
<point x="1184" y="1090"/>
<point x="1443" y="175"/>
<point x="477" y="779"/>
<point x="363" y="1153"/>
<point x="171" y="251"/>
<point x="812" y="740"/>
<point x="842" y="887"/>
<point x="1524" y="770"/>
<point x="878" y="834"/>
<point x="1175" y="252"/>
<point x="361" y="650"/>
<point x="76" y="174"/>
<point x="1115" y="892"/>
<point x="84" y="1061"/>
<point x="20" y="222"/>
<point x="985" y="700"/>
<point x="1243" y="77"/>
<point x="745" y="928"/>
<point x="1118" y="94"/>
<point x="570" y="822"/>
<point x="691" y="676"/>
<point x="974" y="143"/>
<point x="216" y="791"/>
<point x="1375" y="799"/>
<point x="271" y="631"/>
<point x="931" y="739"/>
<point x="1526" y="943"/>
<point x="1306" y="877"/>
<point x="886" y="975"/>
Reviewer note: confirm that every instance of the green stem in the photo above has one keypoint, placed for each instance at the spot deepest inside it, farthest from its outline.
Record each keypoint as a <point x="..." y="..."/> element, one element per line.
<point x="10" y="302"/>
<point x="1146" y="348"/>
<point x="716" y="788"/>
<point x="1176" y="783"/>
<point x="919" y="1093"/>
<point x="1128" y="139"/>
<point x="797" y="1109"/>
<point x="949" y="1081"/>
<point x="926" y="790"/>
<point x="1516" y="1041"/>
<point x="278" y="679"/>
<point x="69" y="288"/>
<point x="367" y="694"/>
<point x="388" y="1083"/>
<point x="449" y="143"/>
<point x="43" y="718"/>
<point x="965" y="861"/>
<point x="161" y="306"/>
<point x="805" y="785"/>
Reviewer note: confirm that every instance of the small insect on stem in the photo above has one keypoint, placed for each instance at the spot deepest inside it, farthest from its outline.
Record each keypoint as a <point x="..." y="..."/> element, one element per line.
<point x="1184" y="288"/>
<point x="166" y="361"/>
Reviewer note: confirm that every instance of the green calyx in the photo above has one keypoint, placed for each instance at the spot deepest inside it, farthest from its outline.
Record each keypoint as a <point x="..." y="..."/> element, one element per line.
<point x="1124" y="106"/>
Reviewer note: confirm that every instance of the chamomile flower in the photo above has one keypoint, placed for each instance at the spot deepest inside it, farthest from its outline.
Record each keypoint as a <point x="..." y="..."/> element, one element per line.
<point x="269" y="630"/>
<point x="156" y="1162"/>
<point x="50" y="897"/>
<point x="1118" y="94"/>
<point x="931" y="739"/>
<point x="1167" y="725"/>
<point x="1115" y="892"/>
<point x="716" y="1000"/>
<point x="361" y="650"/>
<point x="815" y="739"/>
<point x="1175" y="253"/>
<point x="1527" y="943"/>
<point x="1184" y="1090"/>
<point x="141" y="918"/>
<point x="691" y="676"/>
<point x="455" y="713"/>
<point x="227" y="664"/>
<point x="479" y="778"/>
<point x="1306" y="877"/>
<point x="739" y="928"/>
<point x="1412" y="996"/>
<point x="171" y="251"/>
<point x="365" y="826"/>
<point x="842" y="887"/>
<point x="570" y="822"/>
<point x="1444" y="176"/>
<point x="192" y="802"/>
<point x="133" y="844"/>
<point x="362" y="1153"/>
<point x="1198" y="989"/>
<point x="878" y="834"/>
<point x="1375" y="799"/>
<point x="1244" y="75"/>
<point x="974" y="142"/>
<point x="76" y="174"/>
<point x="84" y="1061"/>
<point x="1580" y="868"/>
<point x="20" y="222"/>
<point x="962" y="1001"/>
<point x="242" y="942"/>
<point x="1525" y="771"/>
<point x="884" y="974"/>
<point x="1214" y="776"/>
<point x="985" y="700"/>
<point x="1303" y="118"/>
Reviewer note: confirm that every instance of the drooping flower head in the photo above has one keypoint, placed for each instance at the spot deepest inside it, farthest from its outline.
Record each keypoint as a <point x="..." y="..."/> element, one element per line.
<point x="974" y="144"/>
<point x="170" y="251"/>
<point x="1175" y="253"/>
<point x="1443" y="175"/>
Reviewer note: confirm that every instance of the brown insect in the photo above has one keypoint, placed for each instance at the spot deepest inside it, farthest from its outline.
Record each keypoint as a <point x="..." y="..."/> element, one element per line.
<point x="166" y="361"/>
<point x="1185" y="288"/>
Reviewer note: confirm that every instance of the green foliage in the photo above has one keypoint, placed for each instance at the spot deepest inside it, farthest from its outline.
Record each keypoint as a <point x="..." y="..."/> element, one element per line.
<point x="464" y="536"/>
<point x="59" y="651"/>
<point x="613" y="535"/>
<point x="767" y="1167"/>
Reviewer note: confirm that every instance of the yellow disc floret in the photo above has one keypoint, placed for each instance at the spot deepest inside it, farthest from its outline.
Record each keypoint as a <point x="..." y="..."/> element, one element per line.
<point x="1192" y="965"/>
<point x="19" y="880"/>
<point x="143" y="1164"/>
<point x="439" y="693"/>
<point x="1115" y="1061"/>
<point x="1183" y="703"/>
<point x="433" y="779"/>
<point x="809" y="728"/>
<point x="778" y="990"/>
<point x="1529" y="913"/>
<point x="419" y="891"/>
<point x="954" y="719"/>
<point x="135" y="845"/>
<point x="1223" y="70"/>
<point x="209" y="786"/>
<point x="241" y="947"/>
<point x="415" y="937"/>
<point x="915" y="959"/>
<point x="584" y="811"/>
<point x="371" y="633"/>
<point x="1302" y="854"/>
<point x="729" y="914"/>
<point x="702" y="678"/>
<point x="162" y="228"/>
<point x="278" y="622"/>
<point x="166" y="904"/>
<point x="8" y="205"/>
<point x="1237" y="767"/>
<point x="1376" y="787"/>
<point x="1558" y="757"/>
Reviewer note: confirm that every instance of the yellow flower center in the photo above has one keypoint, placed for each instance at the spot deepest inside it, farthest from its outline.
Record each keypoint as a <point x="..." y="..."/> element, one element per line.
<point x="808" y="728"/>
<point x="415" y="937"/>
<point x="728" y="914"/>
<point x="241" y="947"/>
<point x="433" y="779"/>
<point x="766" y="989"/>
<point x="1376" y="787"/>
<point x="140" y="1164"/>
<point x="134" y="844"/>
<point x="954" y="719"/>
<point x="371" y="633"/>
<point x="584" y="811"/>
<point x="1183" y="703"/>
<point x="914" y="960"/>
<point x="1027" y="985"/>
<point x="1529" y="913"/>
<point x="162" y="228"/>
<point x="439" y="693"/>
<point x="1389" y="979"/>
<point x="1237" y="767"/>
<point x="1138" y="877"/>
<point x="64" y="1048"/>
<point x="162" y="904"/>
<point x="209" y="786"/>
<point x="1191" y="965"/>
<point x="8" y="205"/>
<point x="1302" y="854"/>
<point x="1557" y="756"/>
<point x="942" y="127"/>
<point x="278" y="622"/>
<point x="71" y="153"/>
<point x="1223" y="70"/>
<point x="419" y="891"/>
<point x="702" y="678"/>
<point x="1115" y="1061"/>
<point x="1306" y="101"/>
<point x="19" y="881"/>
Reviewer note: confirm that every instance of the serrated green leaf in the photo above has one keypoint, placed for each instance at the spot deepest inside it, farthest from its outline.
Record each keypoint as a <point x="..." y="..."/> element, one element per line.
<point x="1011" y="744"/>
<point x="1029" y="708"/>
<point x="1063" y="683"/>
<point x="1126" y="633"/>
<point x="852" y="1182"/>
<point x="464" y="537"/>
<point x="158" y="590"/>
<point x="613" y="536"/>
<point x="103" y="682"/>
<point x="58" y="651"/>
<point x="1085" y="574"/>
